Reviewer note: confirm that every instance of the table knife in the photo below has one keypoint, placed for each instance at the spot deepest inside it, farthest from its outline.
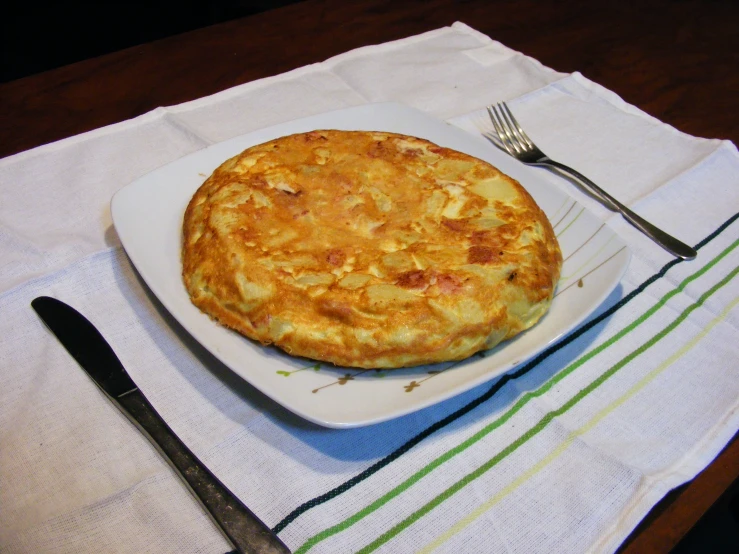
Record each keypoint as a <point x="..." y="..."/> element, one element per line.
<point x="84" y="342"/>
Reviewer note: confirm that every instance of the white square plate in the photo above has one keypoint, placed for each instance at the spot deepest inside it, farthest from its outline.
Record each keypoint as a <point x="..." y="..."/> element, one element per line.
<point x="148" y="213"/>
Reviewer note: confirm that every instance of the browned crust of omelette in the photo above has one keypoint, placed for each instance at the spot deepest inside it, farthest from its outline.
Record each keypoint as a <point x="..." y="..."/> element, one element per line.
<point x="368" y="249"/>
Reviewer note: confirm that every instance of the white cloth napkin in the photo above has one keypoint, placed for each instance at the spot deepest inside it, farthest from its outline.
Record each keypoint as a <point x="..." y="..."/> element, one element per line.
<point x="565" y="454"/>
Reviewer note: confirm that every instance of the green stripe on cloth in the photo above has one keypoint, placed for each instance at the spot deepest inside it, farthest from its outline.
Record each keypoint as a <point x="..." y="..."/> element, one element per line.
<point x="536" y="429"/>
<point x="508" y="415"/>
<point x="643" y="382"/>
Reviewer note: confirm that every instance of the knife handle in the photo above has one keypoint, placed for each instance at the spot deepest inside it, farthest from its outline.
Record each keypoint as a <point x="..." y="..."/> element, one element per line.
<point x="244" y="529"/>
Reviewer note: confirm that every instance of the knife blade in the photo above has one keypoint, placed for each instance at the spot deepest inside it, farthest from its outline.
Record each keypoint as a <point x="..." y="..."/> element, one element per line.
<point x="93" y="353"/>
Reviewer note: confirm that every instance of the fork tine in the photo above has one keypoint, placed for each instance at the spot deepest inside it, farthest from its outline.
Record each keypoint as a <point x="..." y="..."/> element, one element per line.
<point x="502" y="130"/>
<point x="499" y="131"/>
<point x="516" y="127"/>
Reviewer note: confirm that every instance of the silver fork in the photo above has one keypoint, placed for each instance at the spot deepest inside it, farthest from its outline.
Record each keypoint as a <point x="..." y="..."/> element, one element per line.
<point x="517" y="143"/>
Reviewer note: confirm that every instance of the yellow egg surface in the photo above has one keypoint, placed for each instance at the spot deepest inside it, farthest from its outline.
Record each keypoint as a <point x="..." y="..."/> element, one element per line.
<point x="368" y="249"/>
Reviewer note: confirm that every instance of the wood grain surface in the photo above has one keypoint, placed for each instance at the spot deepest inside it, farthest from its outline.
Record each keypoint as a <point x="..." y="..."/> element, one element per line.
<point x="676" y="60"/>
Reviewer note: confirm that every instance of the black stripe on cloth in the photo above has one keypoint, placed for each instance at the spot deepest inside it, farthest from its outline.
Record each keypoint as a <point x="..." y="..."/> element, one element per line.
<point x="523" y="370"/>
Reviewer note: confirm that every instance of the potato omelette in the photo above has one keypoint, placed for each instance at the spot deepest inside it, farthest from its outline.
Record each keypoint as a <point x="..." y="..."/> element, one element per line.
<point x="368" y="249"/>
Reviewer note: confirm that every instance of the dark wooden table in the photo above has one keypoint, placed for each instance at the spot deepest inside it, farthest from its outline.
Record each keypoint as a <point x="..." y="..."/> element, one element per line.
<point x="676" y="60"/>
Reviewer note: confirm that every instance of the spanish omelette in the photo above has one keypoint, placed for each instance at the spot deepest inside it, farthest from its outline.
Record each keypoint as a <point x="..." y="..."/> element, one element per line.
<point x="368" y="249"/>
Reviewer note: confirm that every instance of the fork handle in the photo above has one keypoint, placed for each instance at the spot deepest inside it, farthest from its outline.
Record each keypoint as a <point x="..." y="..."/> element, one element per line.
<point x="668" y="242"/>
